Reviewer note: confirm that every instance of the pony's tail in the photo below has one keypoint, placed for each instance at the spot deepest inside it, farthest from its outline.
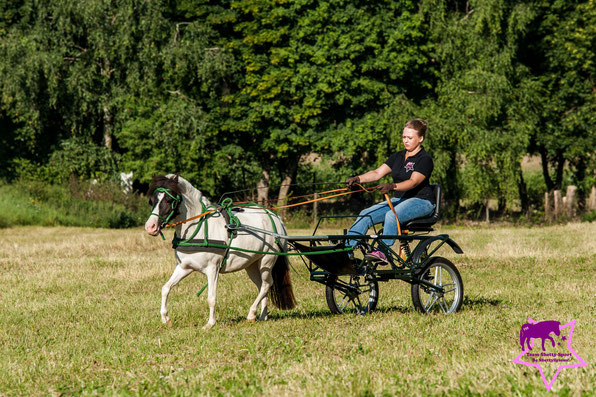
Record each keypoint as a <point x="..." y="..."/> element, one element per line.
<point x="282" y="294"/>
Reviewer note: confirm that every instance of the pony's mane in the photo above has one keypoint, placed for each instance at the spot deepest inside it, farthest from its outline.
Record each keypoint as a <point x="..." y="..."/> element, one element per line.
<point x="177" y="185"/>
<point x="165" y="182"/>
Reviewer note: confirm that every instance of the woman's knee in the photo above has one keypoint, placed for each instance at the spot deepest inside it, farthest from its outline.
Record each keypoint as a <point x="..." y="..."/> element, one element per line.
<point x="390" y="219"/>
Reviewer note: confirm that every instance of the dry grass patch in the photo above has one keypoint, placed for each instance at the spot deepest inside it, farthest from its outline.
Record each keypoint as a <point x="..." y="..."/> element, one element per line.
<point x="80" y="315"/>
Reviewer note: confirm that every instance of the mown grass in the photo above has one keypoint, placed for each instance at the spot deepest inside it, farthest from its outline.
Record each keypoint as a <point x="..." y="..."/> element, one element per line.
<point x="80" y="315"/>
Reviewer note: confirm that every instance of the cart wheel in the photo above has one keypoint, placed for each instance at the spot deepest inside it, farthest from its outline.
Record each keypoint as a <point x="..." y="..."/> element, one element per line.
<point x="440" y="272"/>
<point x="344" y="293"/>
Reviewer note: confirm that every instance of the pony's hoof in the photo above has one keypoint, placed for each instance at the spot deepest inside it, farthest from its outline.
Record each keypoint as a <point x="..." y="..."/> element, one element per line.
<point x="251" y="320"/>
<point x="208" y="326"/>
<point x="169" y="323"/>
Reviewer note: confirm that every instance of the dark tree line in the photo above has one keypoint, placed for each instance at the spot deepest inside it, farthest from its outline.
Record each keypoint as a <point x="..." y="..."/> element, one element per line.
<point x="236" y="94"/>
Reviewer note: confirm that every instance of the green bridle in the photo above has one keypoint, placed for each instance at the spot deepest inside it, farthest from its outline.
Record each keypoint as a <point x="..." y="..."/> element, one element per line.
<point x="175" y="203"/>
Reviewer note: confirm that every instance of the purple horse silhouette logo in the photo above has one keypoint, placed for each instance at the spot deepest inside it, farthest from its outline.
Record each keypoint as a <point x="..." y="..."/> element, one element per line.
<point x="540" y="330"/>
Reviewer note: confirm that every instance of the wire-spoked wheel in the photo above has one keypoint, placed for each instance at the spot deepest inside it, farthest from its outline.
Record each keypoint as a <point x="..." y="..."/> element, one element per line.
<point x="351" y="294"/>
<point x="448" y="295"/>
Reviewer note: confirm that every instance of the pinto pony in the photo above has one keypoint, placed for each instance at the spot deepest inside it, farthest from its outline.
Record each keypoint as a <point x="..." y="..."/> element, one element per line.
<point x="174" y="199"/>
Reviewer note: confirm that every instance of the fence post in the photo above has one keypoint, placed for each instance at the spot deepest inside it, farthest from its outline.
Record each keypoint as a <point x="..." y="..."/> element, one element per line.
<point x="315" y="208"/>
<point x="558" y="203"/>
<point x="571" y="200"/>
<point x="548" y="213"/>
<point x="592" y="202"/>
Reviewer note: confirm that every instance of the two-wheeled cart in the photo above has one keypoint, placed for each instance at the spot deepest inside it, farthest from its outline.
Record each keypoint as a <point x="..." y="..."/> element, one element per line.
<point x="351" y="280"/>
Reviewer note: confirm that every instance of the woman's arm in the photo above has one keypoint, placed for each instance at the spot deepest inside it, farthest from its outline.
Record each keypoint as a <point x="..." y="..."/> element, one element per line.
<point x="415" y="179"/>
<point x="375" y="175"/>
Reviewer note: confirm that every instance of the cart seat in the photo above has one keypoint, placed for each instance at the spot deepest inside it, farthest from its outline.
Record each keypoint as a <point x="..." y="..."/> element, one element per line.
<point x="425" y="224"/>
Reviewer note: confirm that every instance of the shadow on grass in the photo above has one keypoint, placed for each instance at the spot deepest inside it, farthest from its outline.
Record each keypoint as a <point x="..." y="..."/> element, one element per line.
<point x="278" y="315"/>
<point x="480" y="302"/>
<point x="474" y="303"/>
<point x="323" y="313"/>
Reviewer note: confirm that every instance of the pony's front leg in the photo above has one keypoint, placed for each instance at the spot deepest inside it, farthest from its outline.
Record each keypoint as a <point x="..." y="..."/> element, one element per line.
<point x="177" y="276"/>
<point x="527" y="341"/>
<point x="212" y="275"/>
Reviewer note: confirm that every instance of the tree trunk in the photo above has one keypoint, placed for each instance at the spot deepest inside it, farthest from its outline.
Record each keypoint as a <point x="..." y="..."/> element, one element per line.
<point x="286" y="183"/>
<point x="550" y="186"/>
<point x="580" y="176"/>
<point x="559" y="174"/>
<point x="502" y="206"/>
<point x="263" y="188"/>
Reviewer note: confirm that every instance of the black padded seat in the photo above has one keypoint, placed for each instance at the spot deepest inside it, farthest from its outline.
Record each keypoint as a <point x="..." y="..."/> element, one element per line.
<point x="425" y="224"/>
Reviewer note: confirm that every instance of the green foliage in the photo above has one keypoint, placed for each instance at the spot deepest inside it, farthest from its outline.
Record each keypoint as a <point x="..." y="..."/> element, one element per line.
<point x="316" y="73"/>
<point x="236" y="92"/>
<point x="589" y="217"/>
<point x="80" y="158"/>
<point x="560" y="52"/>
<point x="480" y="98"/>
<point x="536" y="188"/>
<point x="76" y="203"/>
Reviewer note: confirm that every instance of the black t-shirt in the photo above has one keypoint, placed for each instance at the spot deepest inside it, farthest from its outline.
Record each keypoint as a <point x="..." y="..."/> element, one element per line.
<point x="402" y="171"/>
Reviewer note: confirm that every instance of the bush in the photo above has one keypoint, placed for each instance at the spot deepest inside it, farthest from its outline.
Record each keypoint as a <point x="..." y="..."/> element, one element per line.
<point x="536" y="188"/>
<point x="82" y="158"/>
<point x="78" y="203"/>
<point x="589" y="217"/>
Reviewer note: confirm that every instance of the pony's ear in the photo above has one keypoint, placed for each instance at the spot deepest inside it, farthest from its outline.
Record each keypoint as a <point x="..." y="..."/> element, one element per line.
<point x="175" y="178"/>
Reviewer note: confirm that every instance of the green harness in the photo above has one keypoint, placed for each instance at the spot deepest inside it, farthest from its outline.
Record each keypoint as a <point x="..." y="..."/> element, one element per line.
<point x="233" y="224"/>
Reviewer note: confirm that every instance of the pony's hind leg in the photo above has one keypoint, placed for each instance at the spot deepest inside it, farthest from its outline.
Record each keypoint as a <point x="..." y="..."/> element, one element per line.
<point x="264" y="266"/>
<point x="177" y="276"/>
<point x="255" y="275"/>
<point x="212" y="274"/>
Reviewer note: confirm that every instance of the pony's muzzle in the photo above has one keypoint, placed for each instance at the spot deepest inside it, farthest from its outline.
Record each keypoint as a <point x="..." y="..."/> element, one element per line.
<point x="152" y="226"/>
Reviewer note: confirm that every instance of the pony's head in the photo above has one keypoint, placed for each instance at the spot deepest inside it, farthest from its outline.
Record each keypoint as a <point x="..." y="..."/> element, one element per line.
<point x="164" y="198"/>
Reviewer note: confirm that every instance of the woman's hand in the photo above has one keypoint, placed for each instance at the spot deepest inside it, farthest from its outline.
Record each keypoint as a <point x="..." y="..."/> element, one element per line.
<point x="352" y="181"/>
<point x="386" y="187"/>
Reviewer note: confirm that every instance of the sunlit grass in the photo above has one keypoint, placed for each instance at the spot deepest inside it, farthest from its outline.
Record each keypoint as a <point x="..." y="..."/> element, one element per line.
<point x="80" y="315"/>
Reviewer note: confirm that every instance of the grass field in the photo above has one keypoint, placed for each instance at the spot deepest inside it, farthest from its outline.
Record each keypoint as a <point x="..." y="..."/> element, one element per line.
<point x="80" y="315"/>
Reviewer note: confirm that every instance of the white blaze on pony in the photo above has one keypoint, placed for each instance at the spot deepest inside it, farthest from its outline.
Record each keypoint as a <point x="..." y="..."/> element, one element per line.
<point x="174" y="199"/>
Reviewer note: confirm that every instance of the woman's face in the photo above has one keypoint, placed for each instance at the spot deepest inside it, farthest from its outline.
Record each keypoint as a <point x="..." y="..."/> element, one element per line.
<point x="411" y="139"/>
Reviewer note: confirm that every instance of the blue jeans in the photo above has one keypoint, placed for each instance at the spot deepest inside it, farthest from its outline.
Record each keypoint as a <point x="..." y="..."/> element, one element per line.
<point x="407" y="209"/>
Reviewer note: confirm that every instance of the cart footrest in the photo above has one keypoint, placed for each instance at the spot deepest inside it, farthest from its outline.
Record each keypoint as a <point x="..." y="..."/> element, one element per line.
<point x="334" y="262"/>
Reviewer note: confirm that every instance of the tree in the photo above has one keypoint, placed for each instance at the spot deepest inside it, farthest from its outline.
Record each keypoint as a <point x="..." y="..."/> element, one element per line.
<point x="312" y="70"/>
<point x="79" y="69"/>
<point x="559" y="51"/>
<point x="481" y="135"/>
